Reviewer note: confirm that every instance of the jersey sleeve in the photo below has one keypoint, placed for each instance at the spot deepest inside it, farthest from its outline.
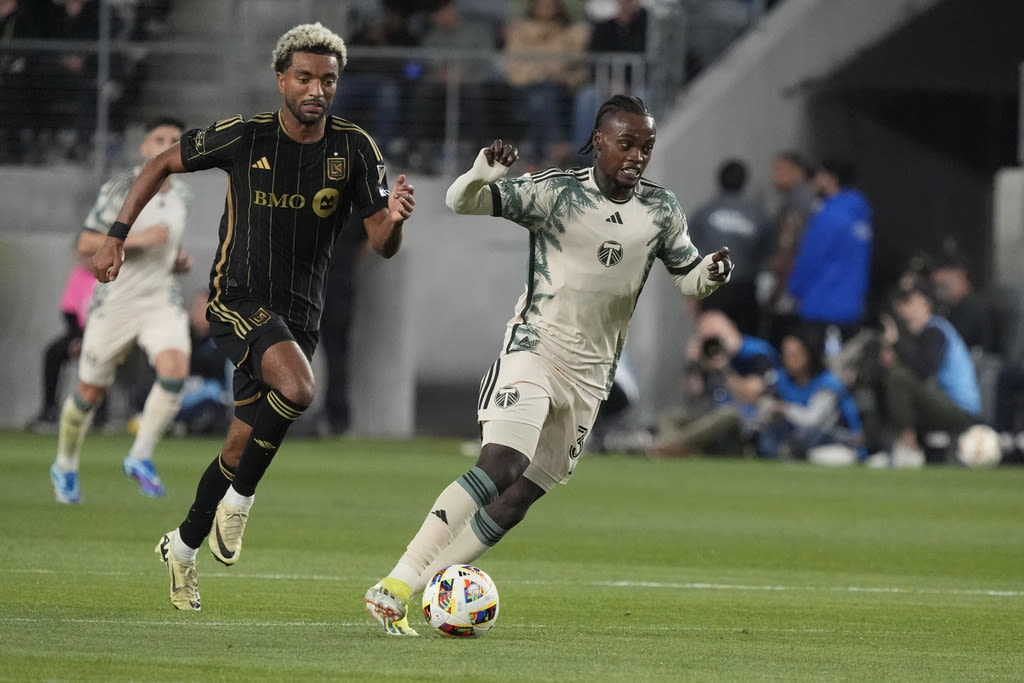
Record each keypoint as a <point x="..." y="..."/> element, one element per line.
<point x="213" y="147"/>
<point x="370" y="181"/>
<point x="521" y="201"/>
<point x="108" y="202"/>
<point x="676" y="250"/>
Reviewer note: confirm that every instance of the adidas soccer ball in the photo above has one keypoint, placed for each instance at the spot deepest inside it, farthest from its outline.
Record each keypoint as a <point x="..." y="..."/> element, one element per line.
<point x="978" y="447"/>
<point x="460" y="601"/>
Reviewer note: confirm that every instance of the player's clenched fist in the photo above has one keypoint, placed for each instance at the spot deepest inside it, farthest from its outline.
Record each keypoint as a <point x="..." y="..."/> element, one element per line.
<point x="106" y="263"/>
<point x="504" y="154"/>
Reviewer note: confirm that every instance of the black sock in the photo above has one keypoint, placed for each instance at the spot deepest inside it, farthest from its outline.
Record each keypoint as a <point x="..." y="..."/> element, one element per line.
<point x="212" y="486"/>
<point x="275" y="415"/>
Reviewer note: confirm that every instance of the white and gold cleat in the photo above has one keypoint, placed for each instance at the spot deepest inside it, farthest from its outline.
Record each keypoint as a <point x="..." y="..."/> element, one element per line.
<point x="184" y="580"/>
<point x="226" y="537"/>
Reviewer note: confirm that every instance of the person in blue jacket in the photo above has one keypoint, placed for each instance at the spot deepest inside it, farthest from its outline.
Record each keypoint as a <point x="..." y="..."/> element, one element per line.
<point x="929" y="382"/>
<point x="810" y="406"/>
<point x="829" y="279"/>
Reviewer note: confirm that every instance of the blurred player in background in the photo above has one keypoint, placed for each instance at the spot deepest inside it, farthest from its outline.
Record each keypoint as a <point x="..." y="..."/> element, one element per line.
<point x="144" y="307"/>
<point x="294" y="177"/>
<point x="594" y="235"/>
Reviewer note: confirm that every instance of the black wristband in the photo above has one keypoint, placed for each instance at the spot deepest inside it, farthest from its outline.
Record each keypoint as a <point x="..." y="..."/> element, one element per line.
<point x="119" y="230"/>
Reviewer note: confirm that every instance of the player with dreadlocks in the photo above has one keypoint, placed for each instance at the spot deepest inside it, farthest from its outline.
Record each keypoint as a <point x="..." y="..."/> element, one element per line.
<point x="594" y="235"/>
<point x="294" y="175"/>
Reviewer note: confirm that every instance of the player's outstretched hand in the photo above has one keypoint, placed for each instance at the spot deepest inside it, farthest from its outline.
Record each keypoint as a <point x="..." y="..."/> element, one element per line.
<point x="401" y="202"/>
<point x="503" y="153"/>
<point x="720" y="266"/>
<point x="106" y="263"/>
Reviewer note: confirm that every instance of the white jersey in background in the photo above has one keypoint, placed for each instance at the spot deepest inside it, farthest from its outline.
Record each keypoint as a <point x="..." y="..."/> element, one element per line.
<point x="147" y="274"/>
<point x="589" y="260"/>
<point x="144" y="305"/>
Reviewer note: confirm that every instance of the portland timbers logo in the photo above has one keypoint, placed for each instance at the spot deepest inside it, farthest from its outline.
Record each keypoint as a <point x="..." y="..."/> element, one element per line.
<point x="506" y="397"/>
<point x="610" y="253"/>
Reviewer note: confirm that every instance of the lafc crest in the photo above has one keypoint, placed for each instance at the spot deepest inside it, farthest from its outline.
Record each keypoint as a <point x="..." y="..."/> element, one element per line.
<point x="337" y="169"/>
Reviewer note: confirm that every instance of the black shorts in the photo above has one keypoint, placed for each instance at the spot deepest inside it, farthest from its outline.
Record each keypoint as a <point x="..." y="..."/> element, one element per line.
<point x="244" y="329"/>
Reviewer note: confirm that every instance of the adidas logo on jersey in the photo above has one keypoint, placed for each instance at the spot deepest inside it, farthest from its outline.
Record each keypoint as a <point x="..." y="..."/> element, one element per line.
<point x="614" y="218"/>
<point x="264" y="165"/>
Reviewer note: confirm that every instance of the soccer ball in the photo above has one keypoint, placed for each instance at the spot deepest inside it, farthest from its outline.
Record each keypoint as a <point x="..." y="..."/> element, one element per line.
<point x="460" y="601"/>
<point x="978" y="447"/>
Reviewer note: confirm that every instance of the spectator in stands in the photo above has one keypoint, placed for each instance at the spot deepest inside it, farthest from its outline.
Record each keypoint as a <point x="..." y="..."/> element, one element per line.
<point x="791" y="177"/>
<point x="74" y="110"/>
<point x="495" y="14"/>
<point x="809" y="407"/>
<point x="929" y="383"/>
<point x="733" y="219"/>
<point x="830" y="273"/>
<point x="957" y="301"/>
<point x="625" y="32"/>
<point x="374" y="85"/>
<point x="727" y="373"/>
<point x="74" y="306"/>
<point x="544" y="65"/>
<point x="448" y="30"/>
<point x="17" y="21"/>
<point x="70" y="118"/>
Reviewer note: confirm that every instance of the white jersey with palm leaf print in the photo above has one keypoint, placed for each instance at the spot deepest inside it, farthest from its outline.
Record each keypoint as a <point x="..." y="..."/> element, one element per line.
<point x="147" y="277"/>
<point x="589" y="259"/>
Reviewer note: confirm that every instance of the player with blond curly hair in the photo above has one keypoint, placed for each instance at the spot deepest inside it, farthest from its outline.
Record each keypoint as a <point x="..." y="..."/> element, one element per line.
<point x="295" y="175"/>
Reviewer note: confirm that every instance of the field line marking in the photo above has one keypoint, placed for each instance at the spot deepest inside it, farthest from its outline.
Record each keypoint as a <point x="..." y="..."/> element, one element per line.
<point x="664" y="585"/>
<point x="373" y="626"/>
<point x="989" y="592"/>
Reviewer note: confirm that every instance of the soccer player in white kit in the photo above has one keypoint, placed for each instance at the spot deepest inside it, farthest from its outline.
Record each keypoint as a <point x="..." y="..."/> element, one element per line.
<point x="594" y="236"/>
<point x="143" y="306"/>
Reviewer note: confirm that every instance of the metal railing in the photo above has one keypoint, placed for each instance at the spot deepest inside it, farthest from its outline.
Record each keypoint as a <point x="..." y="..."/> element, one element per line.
<point x="229" y="66"/>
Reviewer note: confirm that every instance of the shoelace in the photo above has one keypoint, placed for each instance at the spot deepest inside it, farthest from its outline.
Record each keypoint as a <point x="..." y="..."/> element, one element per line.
<point x="234" y="521"/>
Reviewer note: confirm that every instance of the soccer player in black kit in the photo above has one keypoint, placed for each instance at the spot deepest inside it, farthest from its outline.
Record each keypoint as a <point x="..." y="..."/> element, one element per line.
<point x="295" y="175"/>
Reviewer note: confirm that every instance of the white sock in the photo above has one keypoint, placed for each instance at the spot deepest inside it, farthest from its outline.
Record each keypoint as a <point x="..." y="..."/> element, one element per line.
<point x="464" y="549"/>
<point x="162" y="405"/>
<point x="233" y="497"/>
<point x="449" y="515"/>
<point x="75" y="420"/>
<point x="182" y="550"/>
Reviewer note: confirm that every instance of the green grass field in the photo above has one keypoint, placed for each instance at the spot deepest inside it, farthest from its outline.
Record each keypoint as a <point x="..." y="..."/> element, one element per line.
<point x="637" y="571"/>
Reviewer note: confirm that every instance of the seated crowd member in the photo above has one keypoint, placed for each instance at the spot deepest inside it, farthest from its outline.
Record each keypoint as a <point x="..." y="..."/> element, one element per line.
<point x="811" y="407"/>
<point x="726" y="376"/>
<point x="929" y="383"/>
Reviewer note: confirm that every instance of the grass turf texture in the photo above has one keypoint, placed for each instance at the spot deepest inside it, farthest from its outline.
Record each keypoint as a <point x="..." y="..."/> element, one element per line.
<point x="638" y="570"/>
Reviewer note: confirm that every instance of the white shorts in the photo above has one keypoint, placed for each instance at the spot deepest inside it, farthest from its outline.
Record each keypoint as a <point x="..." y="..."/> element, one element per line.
<point x="110" y="333"/>
<point x="527" y="404"/>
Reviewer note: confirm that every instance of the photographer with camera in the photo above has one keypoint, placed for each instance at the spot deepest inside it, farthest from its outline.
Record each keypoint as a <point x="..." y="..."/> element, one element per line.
<point x="726" y="375"/>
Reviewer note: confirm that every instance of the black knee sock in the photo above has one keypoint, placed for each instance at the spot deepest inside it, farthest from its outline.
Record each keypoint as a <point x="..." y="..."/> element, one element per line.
<point x="212" y="486"/>
<point x="275" y="415"/>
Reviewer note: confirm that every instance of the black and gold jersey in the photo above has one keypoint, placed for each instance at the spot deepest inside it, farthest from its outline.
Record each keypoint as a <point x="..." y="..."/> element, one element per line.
<point x="285" y="207"/>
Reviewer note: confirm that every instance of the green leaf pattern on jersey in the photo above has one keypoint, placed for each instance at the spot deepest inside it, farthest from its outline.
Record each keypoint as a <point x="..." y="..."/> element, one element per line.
<point x="568" y="199"/>
<point x="675" y="248"/>
<point x="525" y="338"/>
